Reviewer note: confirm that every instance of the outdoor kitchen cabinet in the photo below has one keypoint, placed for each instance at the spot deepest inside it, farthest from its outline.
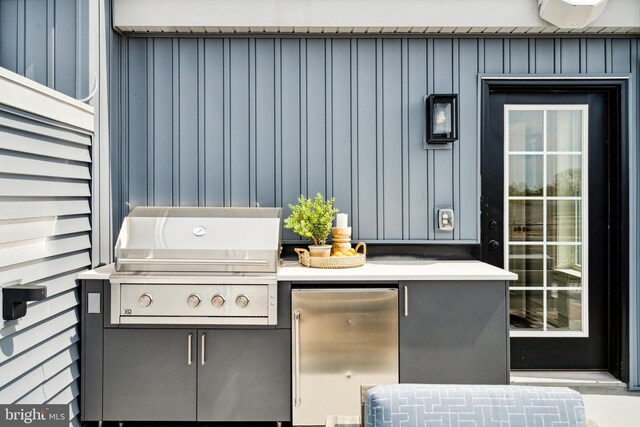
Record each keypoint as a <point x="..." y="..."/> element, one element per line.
<point x="147" y="375"/>
<point x="232" y="374"/>
<point x="244" y="375"/>
<point x="454" y="332"/>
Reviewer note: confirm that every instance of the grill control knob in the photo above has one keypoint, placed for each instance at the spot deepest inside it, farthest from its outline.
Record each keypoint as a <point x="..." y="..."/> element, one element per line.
<point x="194" y="300"/>
<point x="217" y="301"/>
<point x="145" y="300"/>
<point x="242" y="301"/>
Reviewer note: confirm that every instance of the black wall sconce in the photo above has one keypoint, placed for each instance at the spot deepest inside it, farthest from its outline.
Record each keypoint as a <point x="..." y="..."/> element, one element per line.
<point x="441" y="118"/>
<point x="15" y="297"/>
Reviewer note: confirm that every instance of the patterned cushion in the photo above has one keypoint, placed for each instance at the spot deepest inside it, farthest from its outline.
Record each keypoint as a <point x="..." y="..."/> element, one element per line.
<point x="409" y="405"/>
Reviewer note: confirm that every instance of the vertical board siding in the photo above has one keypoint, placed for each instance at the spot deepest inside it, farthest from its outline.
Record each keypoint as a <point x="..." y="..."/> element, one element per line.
<point x="47" y="41"/>
<point x="44" y="240"/>
<point x="246" y="122"/>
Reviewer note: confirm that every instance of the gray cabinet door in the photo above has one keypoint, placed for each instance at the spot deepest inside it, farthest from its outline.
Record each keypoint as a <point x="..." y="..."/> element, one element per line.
<point x="245" y="375"/>
<point x="454" y="333"/>
<point x="148" y="376"/>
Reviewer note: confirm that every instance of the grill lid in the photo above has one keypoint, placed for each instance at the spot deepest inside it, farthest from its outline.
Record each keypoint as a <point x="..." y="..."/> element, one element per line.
<point x="176" y="239"/>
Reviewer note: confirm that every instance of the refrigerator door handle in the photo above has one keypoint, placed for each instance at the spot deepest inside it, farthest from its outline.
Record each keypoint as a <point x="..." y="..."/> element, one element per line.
<point x="406" y="301"/>
<point x="296" y="355"/>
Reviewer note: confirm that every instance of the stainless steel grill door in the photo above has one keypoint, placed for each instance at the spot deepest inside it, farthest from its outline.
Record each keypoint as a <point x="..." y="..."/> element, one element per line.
<point x="342" y="339"/>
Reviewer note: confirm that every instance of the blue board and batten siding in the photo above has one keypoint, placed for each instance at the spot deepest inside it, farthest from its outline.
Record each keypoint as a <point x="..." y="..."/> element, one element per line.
<point x="47" y="41"/>
<point x="245" y="121"/>
<point x="44" y="203"/>
<point x="258" y="121"/>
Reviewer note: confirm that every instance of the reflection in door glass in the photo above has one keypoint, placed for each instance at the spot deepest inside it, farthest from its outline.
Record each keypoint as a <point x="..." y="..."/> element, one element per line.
<point x="526" y="310"/>
<point x="564" y="220"/>
<point x="564" y="310"/>
<point x="545" y="239"/>
<point x="563" y="266"/>
<point x="525" y="220"/>
<point x="526" y="131"/>
<point x="526" y="175"/>
<point x="564" y="175"/>
<point x="527" y="261"/>
<point x="564" y="130"/>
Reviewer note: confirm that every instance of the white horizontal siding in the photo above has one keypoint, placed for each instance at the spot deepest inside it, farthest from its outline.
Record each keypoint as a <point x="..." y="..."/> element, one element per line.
<point x="17" y="164"/>
<point x="17" y="389"/>
<point x="13" y="185"/>
<point x="30" y="207"/>
<point x="14" y="368"/>
<point x="39" y="227"/>
<point x="45" y="239"/>
<point x="43" y="268"/>
<point x="34" y="249"/>
<point x="25" y="340"/>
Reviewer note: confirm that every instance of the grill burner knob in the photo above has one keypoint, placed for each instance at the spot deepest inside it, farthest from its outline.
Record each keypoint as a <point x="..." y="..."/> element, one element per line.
<point x="242" y="301"/>
<point x="145" y="300"/>
<point x="194" y="300"/>
<point x="217" y="301"/>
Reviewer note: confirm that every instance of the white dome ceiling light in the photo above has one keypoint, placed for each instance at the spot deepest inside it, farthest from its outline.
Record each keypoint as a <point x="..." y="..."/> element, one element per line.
<point x="571" y="13"/>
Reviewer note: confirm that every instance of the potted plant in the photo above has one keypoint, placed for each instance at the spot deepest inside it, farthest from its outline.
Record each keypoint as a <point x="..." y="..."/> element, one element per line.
<point x="313" y="220"/>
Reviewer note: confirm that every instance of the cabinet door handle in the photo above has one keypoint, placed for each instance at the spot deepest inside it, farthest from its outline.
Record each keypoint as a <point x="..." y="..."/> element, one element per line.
<point x="202" y="349"/>
<point x="296" y="355"/>
<point x="406" y="301"/>
<point x="189" y="342"/>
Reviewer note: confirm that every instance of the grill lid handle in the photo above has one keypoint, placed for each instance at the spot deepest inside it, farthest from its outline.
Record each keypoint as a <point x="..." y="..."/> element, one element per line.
<point x="137" y="261"/>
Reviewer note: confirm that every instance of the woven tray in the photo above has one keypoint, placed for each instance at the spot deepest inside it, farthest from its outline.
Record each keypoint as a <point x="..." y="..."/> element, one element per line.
<point x="357" y="260"/>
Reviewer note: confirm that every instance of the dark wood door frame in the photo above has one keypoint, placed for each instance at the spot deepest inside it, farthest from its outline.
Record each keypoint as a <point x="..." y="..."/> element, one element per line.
<point x="617" y="89"/>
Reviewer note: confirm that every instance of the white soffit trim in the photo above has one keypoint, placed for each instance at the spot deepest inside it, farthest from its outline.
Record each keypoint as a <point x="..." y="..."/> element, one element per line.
<point x="357" y="16"/>
<point x="26" y="95"/>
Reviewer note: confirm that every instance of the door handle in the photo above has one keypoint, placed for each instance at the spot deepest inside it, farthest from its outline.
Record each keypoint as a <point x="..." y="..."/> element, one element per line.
<point x="494" y="245"/>
<point x="296" y="355"/>
<point x="189" y="355"/>
<point x="202" y="346"/>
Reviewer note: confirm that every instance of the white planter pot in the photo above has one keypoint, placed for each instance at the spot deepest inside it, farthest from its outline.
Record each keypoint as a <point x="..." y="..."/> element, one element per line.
<point x="320" y="250"/>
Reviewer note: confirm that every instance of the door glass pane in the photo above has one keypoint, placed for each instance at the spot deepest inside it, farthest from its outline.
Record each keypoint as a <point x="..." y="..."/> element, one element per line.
<point x="564" y="175"/>
<point x="526" y="220"/>
<point x="526" y="310"/>
<point x="564" y="130"/>
<point x="525" y="131"/>
<point x="544" y="208"/>
<point x="564" y="220"/>
<point x="564" y="310"/>
<point x="527" y="261"/>
<point x="563" y="266"/>
<point x="526" y="175"/>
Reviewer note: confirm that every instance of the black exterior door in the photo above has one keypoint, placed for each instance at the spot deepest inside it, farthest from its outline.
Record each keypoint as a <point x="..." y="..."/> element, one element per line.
<point x="545" y="204"/>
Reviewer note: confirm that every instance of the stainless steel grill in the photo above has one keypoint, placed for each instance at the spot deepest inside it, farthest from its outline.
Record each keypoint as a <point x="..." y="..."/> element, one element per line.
<point x="197" y="266"/>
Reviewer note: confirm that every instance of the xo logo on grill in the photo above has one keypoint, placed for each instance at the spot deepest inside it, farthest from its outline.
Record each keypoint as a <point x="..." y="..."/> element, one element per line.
<point x="199" y="230"/>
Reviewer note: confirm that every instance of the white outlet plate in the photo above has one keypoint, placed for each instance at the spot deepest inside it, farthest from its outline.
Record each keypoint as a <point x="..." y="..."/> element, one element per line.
<point x="446" y="219"/>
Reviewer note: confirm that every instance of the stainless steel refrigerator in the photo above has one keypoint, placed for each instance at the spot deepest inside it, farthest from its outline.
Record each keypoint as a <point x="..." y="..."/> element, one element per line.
<point x="341" y="339"/>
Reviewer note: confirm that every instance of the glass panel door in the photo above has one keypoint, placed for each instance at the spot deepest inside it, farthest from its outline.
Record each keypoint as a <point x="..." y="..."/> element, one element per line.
<point x="545" y="216"/>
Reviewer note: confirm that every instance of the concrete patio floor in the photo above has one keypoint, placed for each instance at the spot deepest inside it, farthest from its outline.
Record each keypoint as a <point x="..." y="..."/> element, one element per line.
<point x="607" y="400"/>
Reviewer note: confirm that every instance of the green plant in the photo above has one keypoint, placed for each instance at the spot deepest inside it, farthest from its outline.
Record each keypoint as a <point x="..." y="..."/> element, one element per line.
<point x="312" y="218"/>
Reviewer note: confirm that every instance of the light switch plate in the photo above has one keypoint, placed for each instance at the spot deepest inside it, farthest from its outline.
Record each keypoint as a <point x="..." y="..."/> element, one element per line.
<point x="446" y="219"/>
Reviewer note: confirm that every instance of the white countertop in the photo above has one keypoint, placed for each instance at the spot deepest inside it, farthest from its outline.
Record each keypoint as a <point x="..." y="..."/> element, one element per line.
<point x="371" y="271"/>
<point x="398" y="270"/>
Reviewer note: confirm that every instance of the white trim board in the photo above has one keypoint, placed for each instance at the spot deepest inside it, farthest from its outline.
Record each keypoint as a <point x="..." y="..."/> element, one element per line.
<point x="23" y="94"/>
<point x="358" y="16"/>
